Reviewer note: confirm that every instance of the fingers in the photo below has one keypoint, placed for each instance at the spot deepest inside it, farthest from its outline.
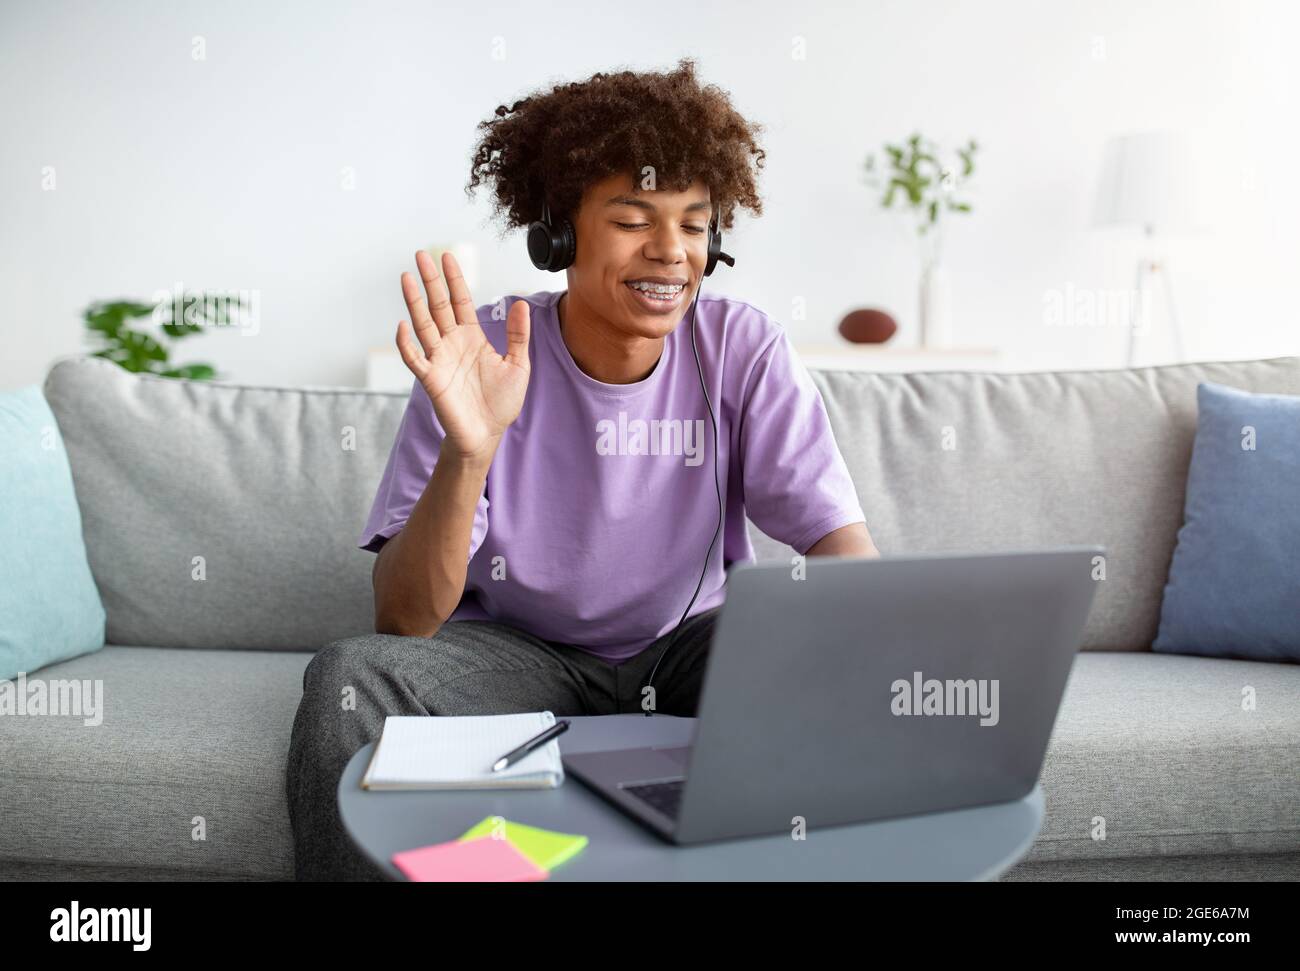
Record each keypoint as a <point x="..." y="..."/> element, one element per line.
<point x="438" y="302"/>
<point x="411" y="354"/>
<point x="461" y="302"/>
<point x="425" y="330"/>
<point x="518" y="326"/>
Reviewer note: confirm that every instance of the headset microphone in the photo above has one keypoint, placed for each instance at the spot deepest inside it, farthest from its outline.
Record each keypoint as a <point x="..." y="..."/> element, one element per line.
<point x="552" y="246"/>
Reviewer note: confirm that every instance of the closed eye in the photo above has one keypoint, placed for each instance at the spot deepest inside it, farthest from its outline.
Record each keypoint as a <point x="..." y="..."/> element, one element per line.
<point x="697" y="230"/>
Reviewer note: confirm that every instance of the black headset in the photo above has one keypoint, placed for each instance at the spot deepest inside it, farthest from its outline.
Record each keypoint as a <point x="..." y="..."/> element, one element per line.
<point x="553" y="246"/>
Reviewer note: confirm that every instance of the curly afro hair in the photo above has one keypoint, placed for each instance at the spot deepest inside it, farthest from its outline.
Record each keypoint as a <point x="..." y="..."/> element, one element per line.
<point x="557" y="143"/>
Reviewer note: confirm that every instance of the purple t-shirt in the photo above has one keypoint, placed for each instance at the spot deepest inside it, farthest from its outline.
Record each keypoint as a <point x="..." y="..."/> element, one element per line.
<point x="600" y="502"/>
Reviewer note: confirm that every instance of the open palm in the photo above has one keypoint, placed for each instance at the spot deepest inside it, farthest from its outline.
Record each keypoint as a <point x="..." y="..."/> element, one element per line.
<point x="476" y="392"/>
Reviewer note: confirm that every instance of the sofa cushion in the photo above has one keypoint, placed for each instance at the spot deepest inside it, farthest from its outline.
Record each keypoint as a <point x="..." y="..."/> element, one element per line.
<point x="965" y="461"/>
<point x="1234" y="585"/>
<point x="1163" y="749"/>
<point x="217" y="514"/>
<point x="49" y="607"/>
<point x="1158" y="745"/>
<point x="184" y="734"/>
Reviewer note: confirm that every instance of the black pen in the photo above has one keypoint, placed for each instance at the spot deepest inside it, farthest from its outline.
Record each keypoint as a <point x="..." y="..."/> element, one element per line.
<point x="559" y="728"/>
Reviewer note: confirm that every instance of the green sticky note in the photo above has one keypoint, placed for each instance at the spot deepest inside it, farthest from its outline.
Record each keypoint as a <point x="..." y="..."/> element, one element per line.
<point x="544" y="847"/>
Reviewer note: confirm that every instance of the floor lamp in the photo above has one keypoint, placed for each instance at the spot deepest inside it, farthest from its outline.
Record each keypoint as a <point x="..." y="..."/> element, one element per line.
<point x="1147" y="180"/>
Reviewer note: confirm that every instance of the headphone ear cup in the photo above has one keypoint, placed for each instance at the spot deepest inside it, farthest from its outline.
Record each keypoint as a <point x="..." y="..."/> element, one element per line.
<point x="552" y="248"/>
<point x="715" y="249"/>
<point x="566" y="245"/>
<point x="541" y="245"/>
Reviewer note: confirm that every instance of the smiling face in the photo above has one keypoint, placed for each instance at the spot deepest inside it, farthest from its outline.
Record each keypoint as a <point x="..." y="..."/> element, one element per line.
<point x="626" y="235"/>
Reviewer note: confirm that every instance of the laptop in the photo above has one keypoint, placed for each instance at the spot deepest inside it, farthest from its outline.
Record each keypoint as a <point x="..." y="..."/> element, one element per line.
<point x="866" y="689"/>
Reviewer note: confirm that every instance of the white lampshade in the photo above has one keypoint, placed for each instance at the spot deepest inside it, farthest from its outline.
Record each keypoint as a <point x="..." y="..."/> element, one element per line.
<point x="1147" y="179"/>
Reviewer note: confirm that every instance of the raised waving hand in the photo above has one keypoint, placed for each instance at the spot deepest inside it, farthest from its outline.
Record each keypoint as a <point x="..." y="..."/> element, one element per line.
<point x="476" y="392"/>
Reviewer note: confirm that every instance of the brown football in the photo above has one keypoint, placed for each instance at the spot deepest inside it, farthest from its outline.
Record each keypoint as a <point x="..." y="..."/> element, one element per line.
<point x="868" y="326"/>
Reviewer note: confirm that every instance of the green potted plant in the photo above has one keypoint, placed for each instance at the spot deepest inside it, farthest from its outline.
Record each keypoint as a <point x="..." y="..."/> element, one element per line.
<point x="926" y="183"/>
<point x="116" y="332"/>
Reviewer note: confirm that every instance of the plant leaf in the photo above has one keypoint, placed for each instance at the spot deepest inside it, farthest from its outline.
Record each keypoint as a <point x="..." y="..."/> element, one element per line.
<point x="140" y="350"/>
<point x="180" y="330"/>
<point x="108" y="316"/>
<point x="105" y="323"/>
<point x="122" y="308"/>
<point x="195" y="372"/>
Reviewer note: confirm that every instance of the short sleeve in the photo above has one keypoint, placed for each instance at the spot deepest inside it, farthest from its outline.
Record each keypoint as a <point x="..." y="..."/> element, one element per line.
<point x="797" y="486"/>
<point x="410" y="464"/>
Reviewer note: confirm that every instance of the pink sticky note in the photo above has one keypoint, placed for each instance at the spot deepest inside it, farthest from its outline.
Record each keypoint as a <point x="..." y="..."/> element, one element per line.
<point x="462" y="861"/>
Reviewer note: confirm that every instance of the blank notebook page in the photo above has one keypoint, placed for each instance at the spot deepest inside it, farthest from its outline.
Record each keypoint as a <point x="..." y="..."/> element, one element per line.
<point x="457" y="752"/>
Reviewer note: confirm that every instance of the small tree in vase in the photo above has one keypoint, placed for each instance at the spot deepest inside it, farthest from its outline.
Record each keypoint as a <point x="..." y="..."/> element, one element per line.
<point x="925" y="182"/>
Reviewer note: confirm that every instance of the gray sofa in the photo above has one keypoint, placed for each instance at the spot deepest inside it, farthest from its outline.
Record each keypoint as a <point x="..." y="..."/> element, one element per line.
<point x="262" y="492"/>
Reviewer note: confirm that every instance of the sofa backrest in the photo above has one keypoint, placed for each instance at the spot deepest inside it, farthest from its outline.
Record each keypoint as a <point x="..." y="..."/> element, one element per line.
<point x="269" y="486"/>
<point x="263" y="492"/>
<point x="971" y="461"/>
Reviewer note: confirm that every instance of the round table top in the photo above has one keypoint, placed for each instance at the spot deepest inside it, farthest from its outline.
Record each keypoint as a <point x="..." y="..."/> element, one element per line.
<point x="978" y="843"/>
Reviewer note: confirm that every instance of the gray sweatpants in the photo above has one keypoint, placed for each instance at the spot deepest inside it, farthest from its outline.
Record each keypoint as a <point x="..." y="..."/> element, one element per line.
<point x="467" y="668"/>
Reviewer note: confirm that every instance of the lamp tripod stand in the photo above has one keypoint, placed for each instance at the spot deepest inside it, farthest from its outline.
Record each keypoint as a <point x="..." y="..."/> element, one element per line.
<point x="1146" y="270"/>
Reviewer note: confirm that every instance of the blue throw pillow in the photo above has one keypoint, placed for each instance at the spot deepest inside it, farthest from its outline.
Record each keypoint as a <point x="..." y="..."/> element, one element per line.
<point x="1234" y="583"/>
<point x="49" y="605"/>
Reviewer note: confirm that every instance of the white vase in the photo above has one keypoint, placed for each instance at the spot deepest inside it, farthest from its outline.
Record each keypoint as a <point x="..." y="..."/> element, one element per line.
<point x="467" y="257"/>
<point x="935" y="306"/>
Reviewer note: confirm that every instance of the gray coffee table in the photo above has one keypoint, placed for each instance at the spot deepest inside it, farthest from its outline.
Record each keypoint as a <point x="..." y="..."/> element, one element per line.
<point x="965" y="844"/>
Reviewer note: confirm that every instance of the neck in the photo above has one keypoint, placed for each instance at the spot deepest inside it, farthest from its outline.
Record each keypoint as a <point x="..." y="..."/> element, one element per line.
<point x="600" y="350"/>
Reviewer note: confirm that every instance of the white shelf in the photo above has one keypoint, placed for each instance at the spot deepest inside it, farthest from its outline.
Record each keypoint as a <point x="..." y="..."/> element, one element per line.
<point x="887" y="357"/>
<point x="386" y="371"/>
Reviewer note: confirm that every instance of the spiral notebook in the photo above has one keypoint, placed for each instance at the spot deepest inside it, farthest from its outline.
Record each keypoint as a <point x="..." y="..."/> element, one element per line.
<point x="457" y="752"/>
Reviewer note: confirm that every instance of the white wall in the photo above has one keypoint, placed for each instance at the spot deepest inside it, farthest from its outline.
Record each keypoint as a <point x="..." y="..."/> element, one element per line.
<point x="225" y="172"/>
